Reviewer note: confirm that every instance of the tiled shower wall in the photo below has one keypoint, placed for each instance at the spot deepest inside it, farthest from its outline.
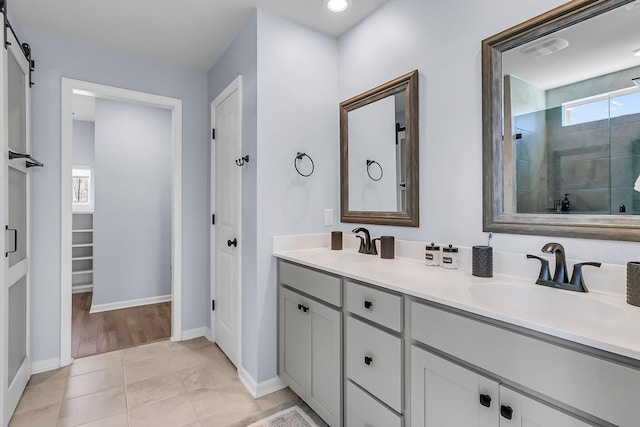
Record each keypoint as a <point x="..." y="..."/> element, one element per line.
<point x="597" y="163"/>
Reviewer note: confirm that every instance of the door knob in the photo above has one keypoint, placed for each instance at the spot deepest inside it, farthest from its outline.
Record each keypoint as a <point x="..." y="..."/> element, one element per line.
<point x="233" y="242"/>
<point x="368" y="360"/>
<point x="368" y="305"/>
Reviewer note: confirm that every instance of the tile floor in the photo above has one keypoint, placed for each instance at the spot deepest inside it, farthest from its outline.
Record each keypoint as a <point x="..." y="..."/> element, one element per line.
<point x="173" y="384"/>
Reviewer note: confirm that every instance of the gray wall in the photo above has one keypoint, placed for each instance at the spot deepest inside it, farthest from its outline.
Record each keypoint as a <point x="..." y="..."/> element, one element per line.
<point x="57" y="57"/>
<point x="443" y="41"/>
<point x="132" y="219"/>
<point x="83" y="143"/>
<point x="290" y="105"/>
<point x="240" y="58"/>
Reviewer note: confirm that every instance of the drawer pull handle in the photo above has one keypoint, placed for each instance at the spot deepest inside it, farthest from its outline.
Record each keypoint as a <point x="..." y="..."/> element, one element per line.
<point x="368" y="305"/>
<point x="368" y="360"/>
<point x="485" y="400"/>
<point x="506" y="411"/>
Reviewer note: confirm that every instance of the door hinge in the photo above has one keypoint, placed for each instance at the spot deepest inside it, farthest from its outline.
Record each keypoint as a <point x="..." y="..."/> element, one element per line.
<point x="213" y="219"/>
<point x="213" y="134"/>
<point x="213" y="305"/>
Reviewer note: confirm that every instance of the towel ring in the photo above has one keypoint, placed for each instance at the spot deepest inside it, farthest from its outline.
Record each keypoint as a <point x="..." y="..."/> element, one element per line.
<point x="371" y="162"/>
<point x="299" y="156"/>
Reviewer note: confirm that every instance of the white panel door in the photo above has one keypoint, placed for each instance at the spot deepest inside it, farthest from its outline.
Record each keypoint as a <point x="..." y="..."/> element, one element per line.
<point x="444" y="394"/>
<point x="227" y="207"/>
<point x="15" y="296"/>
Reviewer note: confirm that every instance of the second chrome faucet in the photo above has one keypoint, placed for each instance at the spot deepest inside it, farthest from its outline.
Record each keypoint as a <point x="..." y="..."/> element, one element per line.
<point x="560" y="278"/>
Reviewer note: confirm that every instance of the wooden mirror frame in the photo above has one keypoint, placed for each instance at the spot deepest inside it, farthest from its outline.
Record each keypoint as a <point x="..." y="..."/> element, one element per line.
<point x="607" y="227"/>
<point x="411" y="217"/>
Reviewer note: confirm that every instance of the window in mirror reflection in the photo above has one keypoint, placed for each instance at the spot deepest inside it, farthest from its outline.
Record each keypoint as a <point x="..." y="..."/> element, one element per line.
<point x="604" y="106"/>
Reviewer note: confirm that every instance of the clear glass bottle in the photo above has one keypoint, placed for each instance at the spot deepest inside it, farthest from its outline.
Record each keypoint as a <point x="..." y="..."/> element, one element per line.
<point x="432" y="255"/>
<point x="450" y="258"/>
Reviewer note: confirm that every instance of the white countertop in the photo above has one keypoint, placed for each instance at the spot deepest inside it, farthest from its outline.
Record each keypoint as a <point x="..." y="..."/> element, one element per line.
<point x="597" y="320"/>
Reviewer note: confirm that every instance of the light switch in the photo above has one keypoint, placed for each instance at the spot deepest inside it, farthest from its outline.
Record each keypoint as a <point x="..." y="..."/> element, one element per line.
<point x="328" y="217"/>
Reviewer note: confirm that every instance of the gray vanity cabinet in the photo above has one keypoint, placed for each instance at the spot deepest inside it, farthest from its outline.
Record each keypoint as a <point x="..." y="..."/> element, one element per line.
<point x="445" y="394"/>
<point x="310" y="340"/>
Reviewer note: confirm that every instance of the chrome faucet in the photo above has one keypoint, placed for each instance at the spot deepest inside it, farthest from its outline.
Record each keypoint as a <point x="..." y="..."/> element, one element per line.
<point x="560" y="278"/>
<point x="366" y="245"/>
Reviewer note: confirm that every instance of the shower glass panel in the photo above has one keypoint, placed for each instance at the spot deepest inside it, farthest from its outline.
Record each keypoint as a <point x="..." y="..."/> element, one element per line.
<point x="17" y="106"/>
<point x="17" y="326"/>
<point x="17" y="240"/>
<point x="585" y="151"/>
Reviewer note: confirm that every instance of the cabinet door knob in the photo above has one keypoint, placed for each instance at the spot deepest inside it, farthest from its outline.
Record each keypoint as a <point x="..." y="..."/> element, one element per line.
<point x="506" y="411"/>
<point x="368" y="305"/>
<point x="305" y="308"/>
<point x="485" y="400"/>
<point x="299" y="306"/>
<point x="368" y="360"/>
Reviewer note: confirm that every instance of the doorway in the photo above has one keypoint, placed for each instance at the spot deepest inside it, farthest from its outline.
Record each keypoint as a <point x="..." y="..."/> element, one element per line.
<point x="108" y="94"/>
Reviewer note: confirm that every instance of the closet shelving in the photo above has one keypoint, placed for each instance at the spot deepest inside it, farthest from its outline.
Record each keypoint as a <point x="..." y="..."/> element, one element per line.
<point x="82" y="253"/>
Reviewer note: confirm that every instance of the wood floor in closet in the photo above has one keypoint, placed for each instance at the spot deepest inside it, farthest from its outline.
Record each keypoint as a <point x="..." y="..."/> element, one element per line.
<point x="116" y="329"/>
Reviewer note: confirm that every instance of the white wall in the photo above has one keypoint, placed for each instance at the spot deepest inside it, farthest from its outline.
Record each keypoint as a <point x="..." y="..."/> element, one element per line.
<point x="132" y="219"/>
<point x="297" y="111"/>
<point x="240" y="58"/>
<point x="372" y="136"/>
<point x="290" y="104"/>
<point x="57" y="57"/>
<point x="443" y="41"/>
<point x="83" y="143"/>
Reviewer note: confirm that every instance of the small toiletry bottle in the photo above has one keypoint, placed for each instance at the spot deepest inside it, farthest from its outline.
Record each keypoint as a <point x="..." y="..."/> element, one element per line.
<point x="432" y="255"/>
<point x="450" y="258"/>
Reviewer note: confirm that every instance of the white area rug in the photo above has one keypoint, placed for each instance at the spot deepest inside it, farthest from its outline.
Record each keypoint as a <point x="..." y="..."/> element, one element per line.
<point x="290" y="417"/>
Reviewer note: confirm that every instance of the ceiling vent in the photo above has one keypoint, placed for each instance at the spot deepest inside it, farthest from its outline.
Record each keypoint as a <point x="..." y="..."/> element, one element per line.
<point x="545" y="47"/>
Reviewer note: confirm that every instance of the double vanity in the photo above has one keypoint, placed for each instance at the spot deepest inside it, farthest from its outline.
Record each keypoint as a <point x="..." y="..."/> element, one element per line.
<point x="370" y="342"/>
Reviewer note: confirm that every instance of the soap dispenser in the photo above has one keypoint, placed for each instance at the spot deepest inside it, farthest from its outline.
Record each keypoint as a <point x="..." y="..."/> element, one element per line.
<point x="566" y="205"/>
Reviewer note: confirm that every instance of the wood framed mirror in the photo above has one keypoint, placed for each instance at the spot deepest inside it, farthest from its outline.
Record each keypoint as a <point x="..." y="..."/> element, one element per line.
<point x="379" y="165"/>
<point x="560" y="154"/>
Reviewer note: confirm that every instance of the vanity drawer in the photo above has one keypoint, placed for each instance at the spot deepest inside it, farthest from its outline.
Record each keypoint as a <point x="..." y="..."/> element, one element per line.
<point x="374" y="361"/>
<point x="365" y="411"/>
<point x="376" y="305"/>
<point x="320" y="285"/>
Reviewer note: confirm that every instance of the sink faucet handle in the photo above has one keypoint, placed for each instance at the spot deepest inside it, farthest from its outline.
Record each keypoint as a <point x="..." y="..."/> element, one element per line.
<point x="362" y="248"/>
<point x="544" y="275"/>
<point x="374" y="250"/>
<point x="577" y="278"/>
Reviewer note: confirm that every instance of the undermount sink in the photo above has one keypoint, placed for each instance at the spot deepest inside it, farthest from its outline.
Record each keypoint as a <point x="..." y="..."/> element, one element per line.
<point x="342" y="257"/>
<point x="545" y="303"/>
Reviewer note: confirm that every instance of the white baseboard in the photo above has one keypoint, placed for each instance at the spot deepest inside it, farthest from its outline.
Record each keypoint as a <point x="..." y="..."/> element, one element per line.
<point x="45" y="365"/>
<point x="80" y="289"/>
<point x="97" y="308"/>
<point x="196" y="333"/>
<point x="256" y="389"/>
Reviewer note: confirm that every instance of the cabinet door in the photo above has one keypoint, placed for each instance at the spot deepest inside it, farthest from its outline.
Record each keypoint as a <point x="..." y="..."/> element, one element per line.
<point x="526" y="412"/>
<point x="444" y="394"/>
<point x="324" y="374"/>
<point x="292" y="346"/>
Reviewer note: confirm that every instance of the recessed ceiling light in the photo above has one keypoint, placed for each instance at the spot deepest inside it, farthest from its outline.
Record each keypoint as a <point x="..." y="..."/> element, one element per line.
<point x="635" y="52"/>
<point x="337" y="5"/>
